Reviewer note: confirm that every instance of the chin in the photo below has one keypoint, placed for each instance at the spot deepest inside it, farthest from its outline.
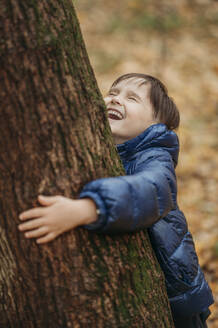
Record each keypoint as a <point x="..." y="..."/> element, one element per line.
<point x="116" y="123"/>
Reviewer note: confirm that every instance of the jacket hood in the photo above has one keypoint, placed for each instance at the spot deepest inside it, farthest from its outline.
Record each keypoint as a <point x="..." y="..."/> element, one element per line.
<point x="156" y="135"/>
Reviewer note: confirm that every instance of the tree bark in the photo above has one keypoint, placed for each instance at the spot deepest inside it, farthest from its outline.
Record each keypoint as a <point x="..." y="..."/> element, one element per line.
<point x="54" y="138"/>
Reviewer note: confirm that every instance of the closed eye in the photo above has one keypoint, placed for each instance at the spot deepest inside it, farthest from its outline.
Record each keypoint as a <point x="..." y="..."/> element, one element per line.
<point x="112" y="94"/>
<point x="132" y="98"/>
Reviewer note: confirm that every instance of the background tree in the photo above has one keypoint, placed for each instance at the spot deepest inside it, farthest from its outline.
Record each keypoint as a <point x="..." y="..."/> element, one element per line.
<point x="54" y="138"/>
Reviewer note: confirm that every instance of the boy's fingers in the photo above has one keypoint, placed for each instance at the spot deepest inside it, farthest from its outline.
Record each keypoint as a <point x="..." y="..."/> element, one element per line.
<point x="48" y="200"/>
<point x="37" y="232"/>
<point x="31" y="224"/>
<point x="33" y="213"/>
<point x="50" y="236"/>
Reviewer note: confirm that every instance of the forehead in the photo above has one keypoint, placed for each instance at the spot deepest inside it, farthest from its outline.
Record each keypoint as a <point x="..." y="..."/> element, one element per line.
<point x="132" y="84"/>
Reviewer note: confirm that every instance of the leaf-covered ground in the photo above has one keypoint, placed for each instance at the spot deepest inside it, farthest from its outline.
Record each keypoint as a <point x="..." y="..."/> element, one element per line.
<point x="175" y="41"/>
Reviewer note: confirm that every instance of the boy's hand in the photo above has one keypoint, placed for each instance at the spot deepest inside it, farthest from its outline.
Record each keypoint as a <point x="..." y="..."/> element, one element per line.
<point x="57" y="215"/>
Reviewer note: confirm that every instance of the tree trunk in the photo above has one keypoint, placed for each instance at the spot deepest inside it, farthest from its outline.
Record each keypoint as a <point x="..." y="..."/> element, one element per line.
<point x="54" y="138"/>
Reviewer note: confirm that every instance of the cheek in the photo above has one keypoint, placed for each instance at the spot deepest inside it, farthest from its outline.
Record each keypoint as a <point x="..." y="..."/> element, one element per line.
<point x="146" y="115"/>
<point x="135" y="115"/>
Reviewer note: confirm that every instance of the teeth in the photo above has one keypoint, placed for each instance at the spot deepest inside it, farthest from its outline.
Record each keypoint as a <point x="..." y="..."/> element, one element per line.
<point x="110" y="111"/>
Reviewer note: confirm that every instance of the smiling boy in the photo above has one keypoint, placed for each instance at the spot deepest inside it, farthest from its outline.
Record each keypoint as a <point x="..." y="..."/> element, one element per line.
<point x="142" y="118"/>
<point x="129" y="97"/>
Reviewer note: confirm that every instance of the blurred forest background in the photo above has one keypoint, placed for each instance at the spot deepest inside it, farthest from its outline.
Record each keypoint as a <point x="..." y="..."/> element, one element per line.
<point x="176" y="41"/>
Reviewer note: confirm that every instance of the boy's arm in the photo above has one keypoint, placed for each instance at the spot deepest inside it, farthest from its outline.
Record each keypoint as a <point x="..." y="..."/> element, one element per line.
<point x="133" y="202"/>
<point x="126" y="203"/>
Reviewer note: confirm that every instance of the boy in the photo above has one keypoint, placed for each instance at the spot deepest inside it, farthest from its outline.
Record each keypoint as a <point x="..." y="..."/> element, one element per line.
<point x="142" y="118"/>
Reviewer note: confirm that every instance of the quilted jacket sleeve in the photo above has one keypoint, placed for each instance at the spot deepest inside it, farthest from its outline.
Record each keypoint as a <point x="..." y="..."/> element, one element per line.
<point x="133" y="202"/>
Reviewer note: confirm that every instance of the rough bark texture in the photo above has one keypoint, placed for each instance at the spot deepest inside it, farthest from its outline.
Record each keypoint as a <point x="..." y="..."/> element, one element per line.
<point x="54" y="138"/>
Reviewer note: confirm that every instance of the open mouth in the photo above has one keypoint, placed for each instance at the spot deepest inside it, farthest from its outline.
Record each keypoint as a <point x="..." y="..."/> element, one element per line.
<point x="114" y="114"/>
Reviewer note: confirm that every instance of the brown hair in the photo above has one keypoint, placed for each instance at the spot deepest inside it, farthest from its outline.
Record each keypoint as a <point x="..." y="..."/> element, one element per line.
<point x="164" y="107"/>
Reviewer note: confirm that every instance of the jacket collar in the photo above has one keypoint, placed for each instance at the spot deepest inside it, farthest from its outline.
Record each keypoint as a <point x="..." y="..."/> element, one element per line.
<point x="156" y="135"/>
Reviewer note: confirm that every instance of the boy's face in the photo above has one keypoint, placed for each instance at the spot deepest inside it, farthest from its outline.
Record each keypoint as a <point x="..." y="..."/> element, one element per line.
<point x="129" y="100"/>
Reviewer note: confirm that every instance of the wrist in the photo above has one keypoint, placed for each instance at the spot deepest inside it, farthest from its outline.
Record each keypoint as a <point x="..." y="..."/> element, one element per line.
<point x="90" y="210"/>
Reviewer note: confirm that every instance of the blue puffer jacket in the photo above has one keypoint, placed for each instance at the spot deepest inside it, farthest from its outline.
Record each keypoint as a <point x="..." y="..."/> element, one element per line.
<point x="146" y="198"/>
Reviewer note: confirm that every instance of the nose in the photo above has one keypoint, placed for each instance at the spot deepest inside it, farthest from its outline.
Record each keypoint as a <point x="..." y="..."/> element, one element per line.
<point x="116" y="100"/>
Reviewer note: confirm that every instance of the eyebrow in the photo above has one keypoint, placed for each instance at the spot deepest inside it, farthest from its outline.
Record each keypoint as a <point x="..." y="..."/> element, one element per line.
<point x="114" y="90"/>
